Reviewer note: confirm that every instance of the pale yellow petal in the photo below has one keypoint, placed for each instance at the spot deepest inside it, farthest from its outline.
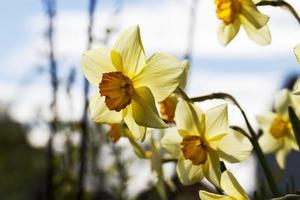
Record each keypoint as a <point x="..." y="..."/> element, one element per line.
<point x="261" y="36"/>
<point x="187" y="118"/>
<point x="100" y="113"/>
<point x="95" y="62"/>
<point x="297" y="52"/>
<point x="231" y="186"/>
<point x="188" y="173"/>
<point x="130" y="46"/>
<point x="161" y="74"/>
<point x="227" y="32"/>
<point x="137" y="131"/>
<point x="211" y="168"/>
<point x="233" y="147"/>
<point x="281" y="156"/>
<point x="268" y="143"/>
<point x="252" y="15"/>
<point x="183" y="77"/>
<point x="144" y="109"/>
<point x="216" y="121"/>
<point x="211" y="196"/>
<point x="282" y="102"/>
<point x="265" y="121"/>
<point x="171" y="143"/>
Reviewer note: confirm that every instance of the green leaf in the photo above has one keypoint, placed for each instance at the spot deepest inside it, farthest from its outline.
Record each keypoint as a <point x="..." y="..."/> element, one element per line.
<point x="295" y="124"/>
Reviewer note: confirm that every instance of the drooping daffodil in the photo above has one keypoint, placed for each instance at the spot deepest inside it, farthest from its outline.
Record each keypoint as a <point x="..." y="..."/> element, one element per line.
<point x="235" y="13"/>
<point x="231" y="188"/>
<point x="278" y="136"/>
<point x="297" y="52"/>
<point x="129" y="85"/>
<point x="201" y="141"/>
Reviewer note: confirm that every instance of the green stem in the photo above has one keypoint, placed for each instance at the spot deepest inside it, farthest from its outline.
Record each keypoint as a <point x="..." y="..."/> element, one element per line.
<point x="280" y="3"/>
<point x="253" y="139"/>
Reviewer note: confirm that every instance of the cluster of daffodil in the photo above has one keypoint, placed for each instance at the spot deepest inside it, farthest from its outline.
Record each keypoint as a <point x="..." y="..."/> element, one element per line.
<point x="130" y="87"/>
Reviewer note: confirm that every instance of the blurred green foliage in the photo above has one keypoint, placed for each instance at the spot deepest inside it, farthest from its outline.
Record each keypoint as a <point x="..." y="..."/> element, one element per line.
<point x="21" y="166"/>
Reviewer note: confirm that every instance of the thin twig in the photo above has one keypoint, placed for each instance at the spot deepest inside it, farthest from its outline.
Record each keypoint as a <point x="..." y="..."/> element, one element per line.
<point x="280" y="3"/>
<point x="50" y="10"/>
<point x="84" y="121"/>
<point x="191" y="30"/>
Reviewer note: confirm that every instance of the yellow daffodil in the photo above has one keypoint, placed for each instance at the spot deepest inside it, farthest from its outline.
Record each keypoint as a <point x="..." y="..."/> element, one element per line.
<point x="129" y="85"/>
<point x="297" y="52"/>
<point x="231" y="187"/>
<point x="235" y="13"/>
<point x="168" y="105"/>
<point x="202" y="141"/>
<point x="278" y="136"/>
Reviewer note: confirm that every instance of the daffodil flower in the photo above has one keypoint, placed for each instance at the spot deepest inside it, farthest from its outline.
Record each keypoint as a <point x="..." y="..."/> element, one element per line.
<point x="235" y="13"/>
<point x="202" y="141"/>
<point x="278" y="136"/>
<point x="297" y="52"/>
<point x="231" y="187"/>
<point x="129" y="85"/>
<point x="168" y="105"/>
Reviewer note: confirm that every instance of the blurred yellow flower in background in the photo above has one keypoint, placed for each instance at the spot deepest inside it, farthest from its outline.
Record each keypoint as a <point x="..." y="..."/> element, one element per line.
<point x="231" y="187"/>
<point x="202" y="141"/>
<point x="278" y="136"/>
<point x="235" y="13"/>
<point x="129" y="85"/>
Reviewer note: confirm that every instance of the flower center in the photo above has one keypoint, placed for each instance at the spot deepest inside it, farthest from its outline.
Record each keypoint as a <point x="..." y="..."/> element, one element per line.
<point x="194" y="149"/>
<point x="117" y="89"/>
<point x="279" y="127"/>
<point x="227" y="10"/>
<point x="167" y="108"/>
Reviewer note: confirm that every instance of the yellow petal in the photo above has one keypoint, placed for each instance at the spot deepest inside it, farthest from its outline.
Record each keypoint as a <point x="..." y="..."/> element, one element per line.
<point x="211" y="169"/>
<point x="252" y="15"/>
<point x="185" y="73"/>
<point x="216" y="121"/>
<point x="95" y="62"/>
<point x="282" y="102"/>
<point x="233" y="147"/>
<point x="231" y="186"/>
<point x="137" y="131"/>
<point x="130" y="46"/>
<point x="210" y="196"/>
<point x="171" y="143"/>
<point x="187" y="118"/>
<point x="161" y="74"/>
<point x="281" y="156"/>
<point x="188" y="173"/>
<point x="265" y="121"/>
<point x="227" y="32"/>
<point x="144" y="110"/>
<point x="100" y="113"/>
<point x="297" y="52"/>
<point x="261" y="36"/>
<point x="268" y="143"/>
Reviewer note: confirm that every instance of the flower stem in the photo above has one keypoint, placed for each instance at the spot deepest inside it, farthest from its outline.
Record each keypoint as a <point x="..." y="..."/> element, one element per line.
<point x="253" y="139"/>
<point x="282" y="4"/>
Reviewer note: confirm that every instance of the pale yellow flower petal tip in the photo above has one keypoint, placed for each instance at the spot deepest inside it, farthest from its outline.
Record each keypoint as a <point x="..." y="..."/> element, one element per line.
<point x="231" y="188"/>
<point x="234" y="13"/>
<point x="129" y="85"/>
<point x="297" y="53"/>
